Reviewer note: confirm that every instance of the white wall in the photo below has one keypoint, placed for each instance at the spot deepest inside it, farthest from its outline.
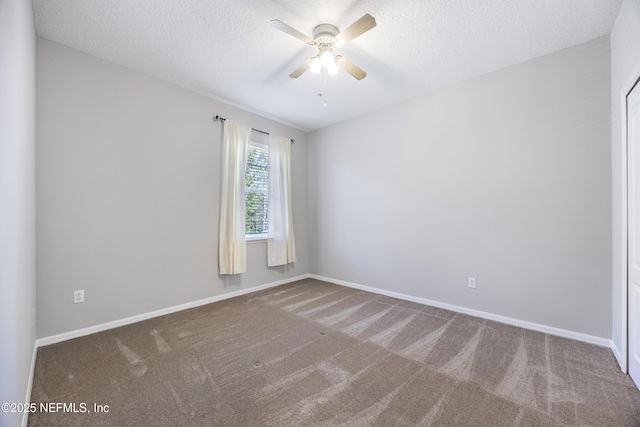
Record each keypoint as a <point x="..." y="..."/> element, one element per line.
<point x="128" y="193"/>
<point x="17" y="198"/>
<point x="625" y="70"/>
<point x="506" y="178"/>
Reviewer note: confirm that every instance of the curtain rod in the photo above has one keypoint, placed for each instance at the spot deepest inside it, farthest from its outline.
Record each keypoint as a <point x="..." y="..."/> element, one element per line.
<point x="222" y="119"/>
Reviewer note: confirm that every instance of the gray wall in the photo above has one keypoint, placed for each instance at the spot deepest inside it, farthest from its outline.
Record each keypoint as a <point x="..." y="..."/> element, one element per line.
<point x="128" y="193"/>
<point x="506" y="178"/>
<point x="625" y="68"/>
<point x="17" y="202"/>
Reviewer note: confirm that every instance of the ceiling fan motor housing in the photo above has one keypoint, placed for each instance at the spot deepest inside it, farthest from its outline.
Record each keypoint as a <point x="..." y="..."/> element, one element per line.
<point x="325" y="34"/>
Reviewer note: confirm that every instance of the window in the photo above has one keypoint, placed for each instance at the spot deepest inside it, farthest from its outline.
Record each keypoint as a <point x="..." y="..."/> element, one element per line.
<point x="257" y="191"/>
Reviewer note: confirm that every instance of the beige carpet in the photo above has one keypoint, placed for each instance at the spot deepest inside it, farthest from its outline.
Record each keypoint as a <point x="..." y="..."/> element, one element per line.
<point x="312" y="353"/>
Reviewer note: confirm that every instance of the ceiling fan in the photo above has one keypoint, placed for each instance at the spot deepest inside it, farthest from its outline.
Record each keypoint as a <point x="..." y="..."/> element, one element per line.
<point x="325" y="38"/>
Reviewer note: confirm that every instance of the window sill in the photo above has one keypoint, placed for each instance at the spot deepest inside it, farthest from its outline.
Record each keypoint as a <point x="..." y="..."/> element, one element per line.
<point x="259" y="238"/>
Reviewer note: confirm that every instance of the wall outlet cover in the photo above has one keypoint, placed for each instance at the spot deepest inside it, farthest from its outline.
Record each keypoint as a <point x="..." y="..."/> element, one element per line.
<point x="78" y="296"/>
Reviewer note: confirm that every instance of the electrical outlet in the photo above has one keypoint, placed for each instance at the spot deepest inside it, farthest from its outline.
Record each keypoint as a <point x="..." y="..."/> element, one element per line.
<point x="472" y="282"/>
<point x="78" y="296"/>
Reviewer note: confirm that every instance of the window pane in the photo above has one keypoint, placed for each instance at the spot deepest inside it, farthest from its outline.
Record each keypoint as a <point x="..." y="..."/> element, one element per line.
<point x="256" y="212"/>
<point x="257" y="168"/>
<point x="256" y="187"/>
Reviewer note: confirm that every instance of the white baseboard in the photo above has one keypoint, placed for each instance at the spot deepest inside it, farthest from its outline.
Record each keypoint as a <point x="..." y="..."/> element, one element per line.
<point x="126" y="321"/>
<point x="603" y="342"/>
<point x="472" y="312"/>
<point x="27" y="398"/>
<point x="618" y="354"/>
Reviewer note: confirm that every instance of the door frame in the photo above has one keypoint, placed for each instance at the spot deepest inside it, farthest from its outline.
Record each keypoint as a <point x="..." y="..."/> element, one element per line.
<point x="631" y="170"/>
<point x="622" y="354"/>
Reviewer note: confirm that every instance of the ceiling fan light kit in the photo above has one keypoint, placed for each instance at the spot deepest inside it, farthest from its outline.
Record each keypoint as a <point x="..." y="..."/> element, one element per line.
<point x="325" y="60"/>
<point x="326" y="37"/>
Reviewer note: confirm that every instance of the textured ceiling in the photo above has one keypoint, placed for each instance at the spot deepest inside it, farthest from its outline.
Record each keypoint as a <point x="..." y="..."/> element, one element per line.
<point x="226" y="49"/>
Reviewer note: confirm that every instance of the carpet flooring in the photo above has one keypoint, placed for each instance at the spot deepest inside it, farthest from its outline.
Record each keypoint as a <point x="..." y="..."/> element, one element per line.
<point x="311" y="353"/>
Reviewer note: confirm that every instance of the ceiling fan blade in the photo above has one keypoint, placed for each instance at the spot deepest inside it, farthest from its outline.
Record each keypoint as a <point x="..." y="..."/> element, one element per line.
<point x="359" y="27"/>
<point x="291" y="31"/>
<point x="351" y="68"/>
<point x="301" y="69"/>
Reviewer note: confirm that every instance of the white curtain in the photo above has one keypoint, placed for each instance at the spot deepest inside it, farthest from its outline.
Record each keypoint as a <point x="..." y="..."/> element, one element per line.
<point x="281" y="245"/>
<point x="232" y="245"/>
